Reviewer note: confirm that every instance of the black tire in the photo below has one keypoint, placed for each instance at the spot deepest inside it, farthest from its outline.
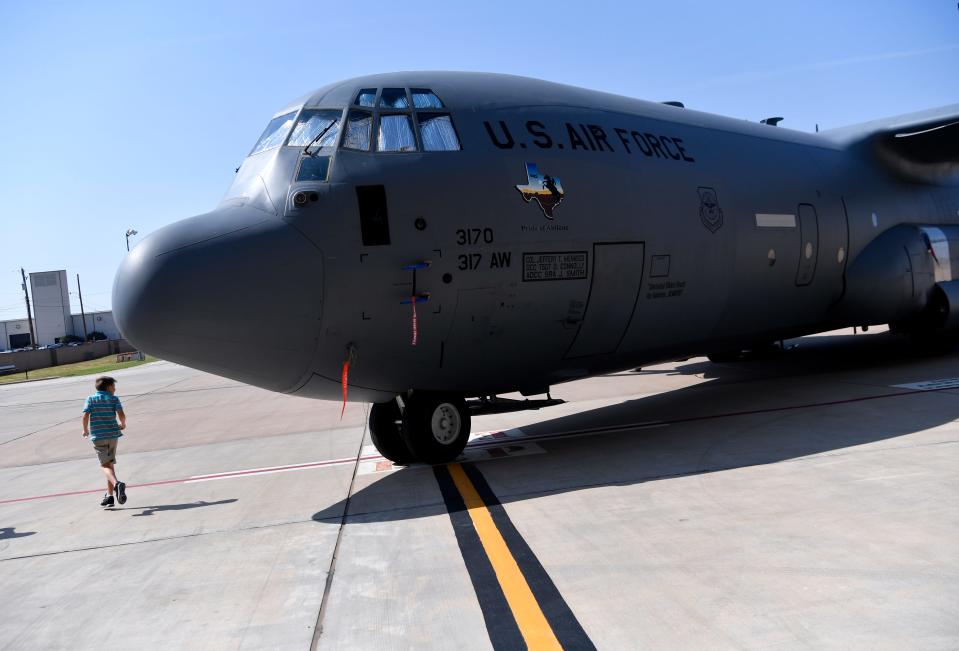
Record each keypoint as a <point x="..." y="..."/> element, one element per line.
<point x="386" y="432"/>
<point x="436" y="427"/>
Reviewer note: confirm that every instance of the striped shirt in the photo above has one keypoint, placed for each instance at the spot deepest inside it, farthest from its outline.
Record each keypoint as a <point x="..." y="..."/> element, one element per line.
<point x="103" y="408"/>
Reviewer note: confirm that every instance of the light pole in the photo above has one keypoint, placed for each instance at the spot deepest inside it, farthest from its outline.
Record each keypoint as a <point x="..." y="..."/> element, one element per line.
<point x="130" y="232"/>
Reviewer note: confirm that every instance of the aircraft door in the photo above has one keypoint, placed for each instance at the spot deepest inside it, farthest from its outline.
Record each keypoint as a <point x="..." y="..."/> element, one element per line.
<point x="613" y="291"/>
<point x="809" y="244"/>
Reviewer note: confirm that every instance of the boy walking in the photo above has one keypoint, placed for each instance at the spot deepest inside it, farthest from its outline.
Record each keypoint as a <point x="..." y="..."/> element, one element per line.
<point x="100" y="414"/>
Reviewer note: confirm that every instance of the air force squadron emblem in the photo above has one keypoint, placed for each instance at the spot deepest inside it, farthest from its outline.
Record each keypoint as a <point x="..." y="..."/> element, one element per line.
<point x="709" y="210"/>
<point x="545" y="189"/>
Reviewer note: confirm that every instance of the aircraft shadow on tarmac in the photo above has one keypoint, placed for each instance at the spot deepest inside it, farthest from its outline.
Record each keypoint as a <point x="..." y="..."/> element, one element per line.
<point x="771" y="402"/>
<point x="10" y="532"/>
<point x="150" y="510"/>
<point x="820" y="355"/>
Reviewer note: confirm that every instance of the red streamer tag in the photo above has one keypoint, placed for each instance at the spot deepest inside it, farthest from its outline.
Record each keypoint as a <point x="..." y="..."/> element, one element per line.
<point x="415" y="329"/>
<point x="345" y="380"/>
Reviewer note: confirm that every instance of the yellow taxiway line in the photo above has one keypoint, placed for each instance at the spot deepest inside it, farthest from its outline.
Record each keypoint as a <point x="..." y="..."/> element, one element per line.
<point x="532" y="623"/>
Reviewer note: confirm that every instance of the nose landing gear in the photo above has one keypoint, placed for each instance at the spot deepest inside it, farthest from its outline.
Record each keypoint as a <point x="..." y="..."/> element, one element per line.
<point x="431" y="428"/>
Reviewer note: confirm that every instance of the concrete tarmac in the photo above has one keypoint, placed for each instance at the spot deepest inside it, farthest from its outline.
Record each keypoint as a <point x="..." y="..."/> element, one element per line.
<point x="808" y="499"/>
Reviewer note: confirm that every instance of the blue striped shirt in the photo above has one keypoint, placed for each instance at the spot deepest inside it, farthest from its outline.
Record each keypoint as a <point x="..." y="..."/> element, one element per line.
<point x="103" y="409"/>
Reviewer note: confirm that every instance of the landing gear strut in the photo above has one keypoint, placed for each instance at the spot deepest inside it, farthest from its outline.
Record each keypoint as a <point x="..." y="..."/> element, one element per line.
<point x="432" y="428"/>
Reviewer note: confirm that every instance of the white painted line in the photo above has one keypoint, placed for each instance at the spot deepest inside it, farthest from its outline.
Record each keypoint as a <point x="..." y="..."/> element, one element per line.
<point x="255" y="474"/>
<point x="269" y="470"/>
<point x="885" y="477"/>
<point x="766" y="220"/>
<point x="931" y="385"/>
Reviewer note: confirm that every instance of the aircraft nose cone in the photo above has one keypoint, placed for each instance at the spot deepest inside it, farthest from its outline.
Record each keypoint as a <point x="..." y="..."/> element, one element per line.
<point x="235" y="292"/>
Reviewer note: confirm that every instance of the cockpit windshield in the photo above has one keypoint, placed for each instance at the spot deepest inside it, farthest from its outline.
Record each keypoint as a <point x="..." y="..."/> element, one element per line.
<point x="403" y="120"/>
<point x="275" y="133"/>
<point x="311" y="124"/>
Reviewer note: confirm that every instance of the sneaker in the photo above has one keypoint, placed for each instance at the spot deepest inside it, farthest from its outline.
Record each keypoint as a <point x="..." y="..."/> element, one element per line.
<point x="107" y="500"/>
<point x="121" y="491"/>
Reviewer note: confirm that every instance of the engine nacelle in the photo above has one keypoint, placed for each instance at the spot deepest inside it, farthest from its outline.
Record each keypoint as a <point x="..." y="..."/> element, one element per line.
<point x="907" y="277"/>
<point x="943" y="313"/>
<point x="890" y="280"/>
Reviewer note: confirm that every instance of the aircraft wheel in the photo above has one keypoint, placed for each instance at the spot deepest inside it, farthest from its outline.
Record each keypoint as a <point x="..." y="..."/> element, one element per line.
<point x="436" y="426"/>
<point x="386" y="432"/>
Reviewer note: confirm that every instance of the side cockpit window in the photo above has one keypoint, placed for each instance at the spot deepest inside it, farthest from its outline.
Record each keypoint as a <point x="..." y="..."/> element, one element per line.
<point x="357" y="134"/>
<point x="275" y="133"/>
<point x="405" y="120"/>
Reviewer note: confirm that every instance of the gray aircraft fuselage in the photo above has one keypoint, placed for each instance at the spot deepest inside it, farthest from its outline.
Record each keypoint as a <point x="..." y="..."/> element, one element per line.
<point x="572" y="233"/>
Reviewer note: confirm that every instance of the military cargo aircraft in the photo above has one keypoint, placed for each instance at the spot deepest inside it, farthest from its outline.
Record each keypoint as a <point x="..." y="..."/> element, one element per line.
<point x="419" y="239"/>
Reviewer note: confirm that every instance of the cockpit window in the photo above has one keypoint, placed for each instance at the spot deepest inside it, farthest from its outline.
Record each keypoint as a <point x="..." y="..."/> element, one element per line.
<point x="312" y="122"/>
<point x="275" y="133"/>
<point x="358" y="127"/>
<point x="396" y="133"/>
<point x="313" y="168"/>
<point x="437" y="132"/>
<point x="425" y="98"/>
<point x="406" y="120"/>
<point x="365" y="97"/>
<point x="394" y="98"/>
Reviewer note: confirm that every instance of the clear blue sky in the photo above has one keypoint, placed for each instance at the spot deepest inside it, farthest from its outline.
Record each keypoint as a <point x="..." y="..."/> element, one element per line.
<point x="132" y="115"/>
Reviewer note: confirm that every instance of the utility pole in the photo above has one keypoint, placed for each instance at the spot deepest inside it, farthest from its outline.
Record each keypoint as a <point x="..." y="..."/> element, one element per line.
<point x="26" y="297"/>
<point x="83" y="315"/>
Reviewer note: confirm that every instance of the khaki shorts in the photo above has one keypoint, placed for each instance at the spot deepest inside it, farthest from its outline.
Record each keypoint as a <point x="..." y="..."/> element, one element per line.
<point x="106" y="450"/>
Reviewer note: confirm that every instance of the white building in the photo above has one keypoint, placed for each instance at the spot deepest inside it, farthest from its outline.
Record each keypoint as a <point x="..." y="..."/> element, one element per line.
<point x="97" y="321"/>
<point x="14" y="334"/>
<point x="51" y="306"/>
<point x="52" y="317"/>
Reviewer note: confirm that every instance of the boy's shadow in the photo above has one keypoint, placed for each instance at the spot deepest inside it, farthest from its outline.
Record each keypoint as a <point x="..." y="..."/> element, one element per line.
<point x="150" y="510"/>
<point x="8" y="532"/>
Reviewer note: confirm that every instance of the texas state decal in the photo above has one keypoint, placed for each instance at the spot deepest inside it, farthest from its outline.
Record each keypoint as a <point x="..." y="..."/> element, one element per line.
<point x="545" y="189"/>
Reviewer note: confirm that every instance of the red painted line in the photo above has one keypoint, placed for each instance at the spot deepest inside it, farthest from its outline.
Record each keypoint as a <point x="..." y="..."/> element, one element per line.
<point x="183" y="480"/>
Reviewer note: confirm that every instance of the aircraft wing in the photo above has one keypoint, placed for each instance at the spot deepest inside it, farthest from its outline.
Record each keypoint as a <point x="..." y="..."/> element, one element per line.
<point x="921" y="147"/>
